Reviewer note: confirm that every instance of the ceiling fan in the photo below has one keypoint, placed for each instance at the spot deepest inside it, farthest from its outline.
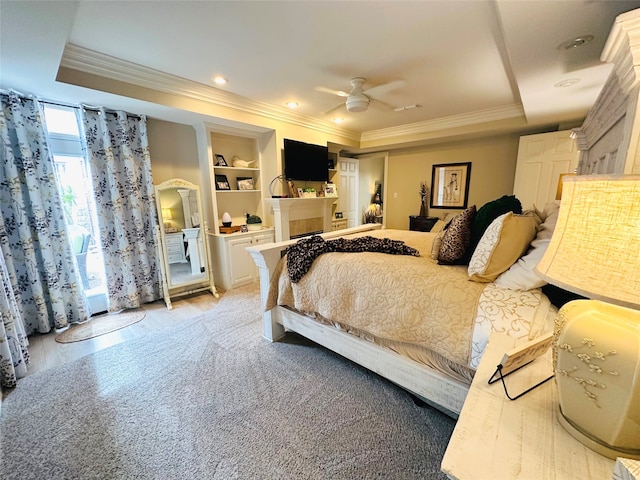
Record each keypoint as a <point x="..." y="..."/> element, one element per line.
<point x="358" y="99"/>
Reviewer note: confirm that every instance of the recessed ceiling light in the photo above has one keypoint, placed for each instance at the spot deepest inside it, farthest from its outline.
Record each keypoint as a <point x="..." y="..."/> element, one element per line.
<point x="292" y="104"/>
<point x="219" y="80"/>
<point x="575" y="42"/>
<point x="567" y="83"/>
<point x="338" y="120"/>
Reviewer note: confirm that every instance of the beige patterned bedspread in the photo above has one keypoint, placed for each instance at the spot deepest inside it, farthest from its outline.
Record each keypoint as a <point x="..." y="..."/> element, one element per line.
<point x="396" y="298"/>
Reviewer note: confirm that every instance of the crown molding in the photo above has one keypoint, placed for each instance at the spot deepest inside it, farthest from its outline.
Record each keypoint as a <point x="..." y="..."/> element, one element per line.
<point x="101" y="65"/>
<point x="445" y="123"/>
<point x="622" y="48"/>
<point x="95" y="63"/>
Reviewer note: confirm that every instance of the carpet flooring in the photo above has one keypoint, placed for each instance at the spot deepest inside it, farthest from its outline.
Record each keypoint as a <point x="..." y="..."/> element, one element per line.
<point x="211" y="399"/>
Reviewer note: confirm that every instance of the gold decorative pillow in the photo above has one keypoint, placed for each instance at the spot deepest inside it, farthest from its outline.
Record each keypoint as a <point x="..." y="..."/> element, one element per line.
<point x="438" y="226"/>
<point x="521" y="275"/>
<point x="437" y="243"/>
<point x="503" y="242"/>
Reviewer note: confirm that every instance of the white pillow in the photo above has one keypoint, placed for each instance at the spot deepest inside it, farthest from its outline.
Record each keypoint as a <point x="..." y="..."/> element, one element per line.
<point x="521" y="275"/>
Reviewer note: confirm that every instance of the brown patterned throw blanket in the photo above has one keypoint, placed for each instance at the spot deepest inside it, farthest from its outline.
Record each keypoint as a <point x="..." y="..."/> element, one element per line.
<point x="301" y="255"/>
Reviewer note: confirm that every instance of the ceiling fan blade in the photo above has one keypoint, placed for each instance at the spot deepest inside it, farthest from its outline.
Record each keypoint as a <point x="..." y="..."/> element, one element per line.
<point x="385" y="87"/>
<point x="339" y="93"/>
<point x="337" y="107"/>
<point x="407" y="107"/>
<point x="384" y="105"/>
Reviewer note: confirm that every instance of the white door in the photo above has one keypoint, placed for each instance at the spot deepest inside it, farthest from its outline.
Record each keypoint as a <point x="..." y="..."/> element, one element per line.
<point x="348" y="191"/>
<point x="541" y="160"/>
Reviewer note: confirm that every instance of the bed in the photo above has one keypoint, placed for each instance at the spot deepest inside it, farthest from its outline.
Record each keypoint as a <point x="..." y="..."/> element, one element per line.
<point x="418" y="323"/>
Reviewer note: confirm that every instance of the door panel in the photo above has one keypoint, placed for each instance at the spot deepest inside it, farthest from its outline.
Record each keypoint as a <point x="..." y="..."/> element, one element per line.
<point x="541" y="160"/>
<point x="348" y="191"/>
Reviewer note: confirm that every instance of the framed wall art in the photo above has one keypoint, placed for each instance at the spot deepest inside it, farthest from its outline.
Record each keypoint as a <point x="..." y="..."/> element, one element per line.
<point x="222" y="183"/>
<point x="450" y="185"/>
<point x="245" y="183"/>
<point x="330" y="190"/>
<point x="220" y="161"/>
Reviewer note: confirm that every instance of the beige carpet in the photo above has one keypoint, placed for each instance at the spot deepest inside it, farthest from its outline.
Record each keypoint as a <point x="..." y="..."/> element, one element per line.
<point x="210" y="399"/>
<point x="99" y="326"/>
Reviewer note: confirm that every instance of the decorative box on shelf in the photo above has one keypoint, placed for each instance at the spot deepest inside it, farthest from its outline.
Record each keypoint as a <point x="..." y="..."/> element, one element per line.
<point x="232" y="229"/>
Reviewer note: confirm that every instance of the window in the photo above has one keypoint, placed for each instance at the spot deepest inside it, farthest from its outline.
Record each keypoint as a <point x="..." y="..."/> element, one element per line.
<point x="74" y="181"/>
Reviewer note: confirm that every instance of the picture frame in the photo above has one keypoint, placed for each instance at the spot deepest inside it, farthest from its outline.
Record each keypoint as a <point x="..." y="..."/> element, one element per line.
<point x="222" y="183"/>
<point x="220" y="161"/>
<point x="330" y="190"/>
<point x="450" y="185"/>
<point x="245" y="183"/>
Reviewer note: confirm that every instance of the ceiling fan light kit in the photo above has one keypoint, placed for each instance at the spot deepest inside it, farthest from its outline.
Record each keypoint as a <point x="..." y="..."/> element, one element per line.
<point x="357" y="103"/>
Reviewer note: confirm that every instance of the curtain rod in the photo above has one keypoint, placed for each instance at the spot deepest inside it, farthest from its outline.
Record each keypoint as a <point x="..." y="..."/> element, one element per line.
<point x="111" y="111"/>
<point x="68" y="105"/>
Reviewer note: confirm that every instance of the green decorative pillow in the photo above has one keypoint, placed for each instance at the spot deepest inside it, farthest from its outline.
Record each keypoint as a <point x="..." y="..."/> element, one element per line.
<point x="487" y="214"/>
<point x="456" y="238"/>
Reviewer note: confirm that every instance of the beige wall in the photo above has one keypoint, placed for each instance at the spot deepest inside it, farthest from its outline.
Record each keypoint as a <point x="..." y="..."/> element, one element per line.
<point x="173" y="151"/>
<point x="174" y="155"/>
<point x="371" y="172"/>
<point x="493" y="166"/>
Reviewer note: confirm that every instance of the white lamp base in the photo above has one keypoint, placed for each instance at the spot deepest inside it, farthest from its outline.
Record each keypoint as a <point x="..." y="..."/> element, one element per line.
<point x="591" y="442"/>
<point x="597" y="366"/>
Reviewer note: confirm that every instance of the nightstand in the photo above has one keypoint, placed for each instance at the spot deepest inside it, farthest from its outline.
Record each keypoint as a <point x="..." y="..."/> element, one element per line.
<point x="521" y="439"/>
<point x="421" y="224"/>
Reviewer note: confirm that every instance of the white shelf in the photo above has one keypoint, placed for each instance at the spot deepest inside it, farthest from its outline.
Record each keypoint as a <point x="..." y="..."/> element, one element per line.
<point x="231" y="169"/>
<point x="235" y="190"/>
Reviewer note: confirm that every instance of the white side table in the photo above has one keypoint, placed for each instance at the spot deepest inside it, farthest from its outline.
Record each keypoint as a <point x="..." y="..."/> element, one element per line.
<point x="496" y="438"/>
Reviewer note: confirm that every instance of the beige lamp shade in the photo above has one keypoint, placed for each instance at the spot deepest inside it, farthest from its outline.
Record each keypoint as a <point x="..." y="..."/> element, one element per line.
<point x="166" y="214"/>
<point x="595" y="252"/>
<point x="595" y="248"/>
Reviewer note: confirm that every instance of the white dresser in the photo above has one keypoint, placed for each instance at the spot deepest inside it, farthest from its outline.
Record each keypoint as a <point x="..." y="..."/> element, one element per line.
<point x="175" y="248"/>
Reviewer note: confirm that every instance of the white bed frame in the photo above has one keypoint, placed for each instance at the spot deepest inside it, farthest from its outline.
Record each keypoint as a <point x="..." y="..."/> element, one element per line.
<point x="433" y="387"/>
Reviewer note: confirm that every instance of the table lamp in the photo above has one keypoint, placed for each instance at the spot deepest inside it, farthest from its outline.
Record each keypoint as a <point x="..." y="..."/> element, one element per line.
<point x="595" y="252"/>
<point x="166" y="215"/>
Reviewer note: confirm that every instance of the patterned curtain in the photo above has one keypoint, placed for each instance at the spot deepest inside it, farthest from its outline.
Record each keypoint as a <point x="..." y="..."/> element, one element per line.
<point x="118" y="153"/>
<point x="14" y="356"/>
<point x="36" y="252"/>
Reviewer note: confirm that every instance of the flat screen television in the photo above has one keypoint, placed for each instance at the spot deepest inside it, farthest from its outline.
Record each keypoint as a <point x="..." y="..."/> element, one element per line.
<point x="305" y="161"/>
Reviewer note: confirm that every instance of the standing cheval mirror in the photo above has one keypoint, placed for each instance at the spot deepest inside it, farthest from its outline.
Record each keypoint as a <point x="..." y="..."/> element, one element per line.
<point x="185" y="253"/>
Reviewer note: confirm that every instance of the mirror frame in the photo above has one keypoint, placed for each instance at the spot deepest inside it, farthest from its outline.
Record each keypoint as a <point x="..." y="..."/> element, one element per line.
<point x="206" y="282"/>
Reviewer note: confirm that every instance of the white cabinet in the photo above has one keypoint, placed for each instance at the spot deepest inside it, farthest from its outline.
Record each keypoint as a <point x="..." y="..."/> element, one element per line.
<point x="235" y="266"/>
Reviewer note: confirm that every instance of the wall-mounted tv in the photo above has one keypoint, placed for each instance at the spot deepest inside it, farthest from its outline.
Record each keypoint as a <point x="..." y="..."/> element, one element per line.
<point x="305" y="161"/>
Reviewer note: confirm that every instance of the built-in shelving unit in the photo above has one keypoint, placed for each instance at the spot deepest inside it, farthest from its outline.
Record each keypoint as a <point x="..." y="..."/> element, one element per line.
<point x="222" y="193"/>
